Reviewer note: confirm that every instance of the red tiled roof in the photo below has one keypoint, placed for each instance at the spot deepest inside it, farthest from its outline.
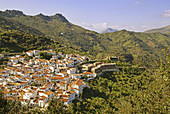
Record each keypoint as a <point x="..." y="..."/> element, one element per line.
<point x="42" y="97"/>
<point x="87" y="73"/>
<point x="64" y="95"/>
<point x="49" y="92"/>
<point x="57" y="78"/>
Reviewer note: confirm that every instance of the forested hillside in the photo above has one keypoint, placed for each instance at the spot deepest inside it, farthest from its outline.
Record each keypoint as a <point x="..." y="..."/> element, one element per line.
<point x="58" y="28"/>
<point x="136" y="48"/>
<point x="16" y="37"/>
<point x="8" y="24"/>
<point x="16" y="41"/>
<point x="133" y="90"/>
<point x="140" y="48"/>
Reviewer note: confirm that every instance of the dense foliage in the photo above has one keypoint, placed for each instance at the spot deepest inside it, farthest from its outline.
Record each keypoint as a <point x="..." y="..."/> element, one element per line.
<point x="8" y="24"/>
<point x="133" y="90"/>
<point x="16" y="41"/>
<point x="137" y="48"/>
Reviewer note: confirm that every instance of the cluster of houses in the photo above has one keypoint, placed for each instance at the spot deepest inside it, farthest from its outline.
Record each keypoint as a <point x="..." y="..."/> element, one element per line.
<point x="35" y="81"/>
<point x="98" y="68"/>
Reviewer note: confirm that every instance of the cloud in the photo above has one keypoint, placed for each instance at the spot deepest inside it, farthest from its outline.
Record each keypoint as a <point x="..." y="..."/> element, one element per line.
<point x="97" y="26"/>
<point x="115" y="26"/>
<point x="166" y="14"/>
<point x="137" y="2"/>
<point x="102" y="26"/>
<point x="145" y="26"/>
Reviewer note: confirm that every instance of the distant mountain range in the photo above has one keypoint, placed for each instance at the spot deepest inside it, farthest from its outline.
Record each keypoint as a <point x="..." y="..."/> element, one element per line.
<point x="108" y="30"/>
<point x="40" y="31"/>
<point x="165" y="29"/>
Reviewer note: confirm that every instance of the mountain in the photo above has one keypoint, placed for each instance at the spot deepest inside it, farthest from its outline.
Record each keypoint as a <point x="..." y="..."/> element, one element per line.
<point x="57" y="27"/>
<point x="141" y="48"/>
<point x="108" y="30"/>
<point x="58" y="17"/>
<point x="11" y="13"/>
<point x="16" y="37"/>
<point x="165" y="29"/>
<point x="8" y="24"/>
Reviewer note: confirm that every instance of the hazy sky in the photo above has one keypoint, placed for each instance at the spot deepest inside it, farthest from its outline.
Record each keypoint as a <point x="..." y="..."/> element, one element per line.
<point x="135" y="15"/>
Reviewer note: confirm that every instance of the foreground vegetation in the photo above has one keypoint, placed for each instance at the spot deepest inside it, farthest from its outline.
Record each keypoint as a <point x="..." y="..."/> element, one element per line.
<point x="130" y="91"/>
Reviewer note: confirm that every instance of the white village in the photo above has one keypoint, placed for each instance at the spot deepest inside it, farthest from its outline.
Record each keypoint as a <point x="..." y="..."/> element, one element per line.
<point x="34" y="81"/>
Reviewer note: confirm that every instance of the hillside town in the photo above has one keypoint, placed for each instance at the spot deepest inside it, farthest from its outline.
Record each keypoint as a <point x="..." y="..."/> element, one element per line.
<point x="34" y="81"/>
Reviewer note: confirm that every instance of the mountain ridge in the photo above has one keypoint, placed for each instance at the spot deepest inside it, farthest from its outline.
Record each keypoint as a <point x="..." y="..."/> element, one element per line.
<point x="108" y="30"/>
<point x="165" y="29"/>
<point x="12" y="13"/>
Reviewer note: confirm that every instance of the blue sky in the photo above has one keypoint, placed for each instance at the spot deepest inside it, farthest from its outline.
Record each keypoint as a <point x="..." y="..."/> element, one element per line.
<point x="134" y="15"/>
